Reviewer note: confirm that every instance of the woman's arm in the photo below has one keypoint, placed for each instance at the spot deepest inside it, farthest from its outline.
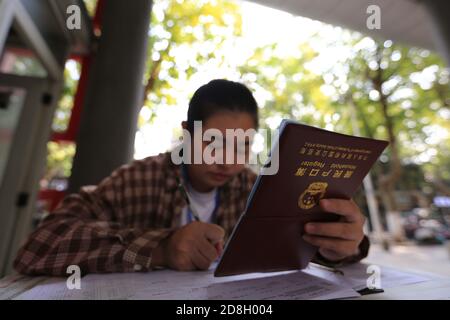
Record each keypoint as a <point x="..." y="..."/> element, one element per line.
<point x="84" y="231"/>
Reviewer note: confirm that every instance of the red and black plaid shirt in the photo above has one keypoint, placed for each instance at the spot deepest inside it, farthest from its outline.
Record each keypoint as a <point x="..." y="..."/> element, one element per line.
<point x="113" y="227"/>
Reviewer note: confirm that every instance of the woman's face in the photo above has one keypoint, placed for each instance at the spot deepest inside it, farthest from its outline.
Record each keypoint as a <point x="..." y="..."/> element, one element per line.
<point x="204" y="177"/>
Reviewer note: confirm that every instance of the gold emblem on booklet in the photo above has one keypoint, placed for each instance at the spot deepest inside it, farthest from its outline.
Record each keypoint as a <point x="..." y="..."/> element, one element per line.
<point x="311" y="196"/>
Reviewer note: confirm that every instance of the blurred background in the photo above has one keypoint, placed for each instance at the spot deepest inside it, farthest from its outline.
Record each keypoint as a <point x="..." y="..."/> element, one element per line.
<point x="75" y="103"/>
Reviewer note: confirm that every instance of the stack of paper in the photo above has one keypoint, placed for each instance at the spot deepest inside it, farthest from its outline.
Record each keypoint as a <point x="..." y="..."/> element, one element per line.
<point x="286" y="286"/>
<point x="314" y="282"/>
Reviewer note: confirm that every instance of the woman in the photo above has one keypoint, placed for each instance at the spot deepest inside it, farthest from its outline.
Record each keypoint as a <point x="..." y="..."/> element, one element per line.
<point x="138" y="219"/>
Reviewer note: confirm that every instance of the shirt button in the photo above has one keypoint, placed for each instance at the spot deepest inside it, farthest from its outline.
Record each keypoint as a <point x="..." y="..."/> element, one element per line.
<point x="137" y="267"/>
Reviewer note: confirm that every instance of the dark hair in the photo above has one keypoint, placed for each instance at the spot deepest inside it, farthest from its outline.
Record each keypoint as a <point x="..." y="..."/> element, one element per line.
<point x="220" y="95"/>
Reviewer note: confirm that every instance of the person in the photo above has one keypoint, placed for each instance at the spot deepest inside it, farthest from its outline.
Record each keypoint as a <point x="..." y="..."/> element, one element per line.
<point x="137" y="219"/>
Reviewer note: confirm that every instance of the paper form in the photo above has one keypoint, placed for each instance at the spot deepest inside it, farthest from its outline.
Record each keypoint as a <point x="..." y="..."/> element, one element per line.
<point x="12" y="286"/>
<point x="314" y="282"/>
<point x="168" y="284"/>
<point x="93" y="287"/>
<point x="284" y="285"/>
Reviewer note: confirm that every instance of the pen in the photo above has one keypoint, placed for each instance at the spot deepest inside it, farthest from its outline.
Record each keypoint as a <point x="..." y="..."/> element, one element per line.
<point x="194" y="213"/>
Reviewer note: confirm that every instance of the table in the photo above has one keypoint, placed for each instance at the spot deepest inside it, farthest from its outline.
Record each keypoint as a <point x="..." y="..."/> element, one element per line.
<point x="435" y="287"/>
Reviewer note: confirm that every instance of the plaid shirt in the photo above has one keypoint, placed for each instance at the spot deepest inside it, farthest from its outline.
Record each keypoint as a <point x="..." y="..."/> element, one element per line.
<point x="113" y="227"/>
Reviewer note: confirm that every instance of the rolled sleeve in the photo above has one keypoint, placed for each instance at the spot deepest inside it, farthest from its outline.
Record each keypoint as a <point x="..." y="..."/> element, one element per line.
<point x="138" y="255"/>
<point x="363" y="252"/>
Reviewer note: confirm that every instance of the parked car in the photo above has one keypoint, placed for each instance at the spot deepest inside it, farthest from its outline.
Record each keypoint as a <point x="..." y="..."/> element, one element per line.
<point x="425" y="226"/>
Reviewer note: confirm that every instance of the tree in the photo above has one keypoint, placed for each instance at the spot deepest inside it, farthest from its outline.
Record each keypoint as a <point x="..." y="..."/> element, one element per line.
<point x="285" y="88"/>
<point x="284" y="85"/>
<point x="397" y="93"/>
<point x="385" y="83"/>
<point x="183" y="36"/>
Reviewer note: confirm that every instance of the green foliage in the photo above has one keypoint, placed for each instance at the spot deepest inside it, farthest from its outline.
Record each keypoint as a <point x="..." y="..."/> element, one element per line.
<point x="184" y="35"/>
<point x="59" y="160"/>
<point x="63" y="112"/>
<point x="287" y="88"/>
<point x="90" y="6"/>
<point x="414" y="83"/>
<point x="187" y="35"/>
<point x="60" y="155"/>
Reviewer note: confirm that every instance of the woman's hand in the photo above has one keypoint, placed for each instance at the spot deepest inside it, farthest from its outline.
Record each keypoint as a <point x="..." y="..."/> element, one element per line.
<point x="337" y="240"/>
<point x="192" y="247"/>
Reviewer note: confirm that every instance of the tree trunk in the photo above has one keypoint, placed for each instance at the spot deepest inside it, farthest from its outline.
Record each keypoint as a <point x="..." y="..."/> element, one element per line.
<point x="441" y="186"/>
<point x="154" y="73"/>
<point x="388" y="180"/>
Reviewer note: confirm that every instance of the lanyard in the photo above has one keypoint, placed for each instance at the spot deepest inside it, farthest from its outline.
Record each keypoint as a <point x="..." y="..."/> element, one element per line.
<point x="190" y="215"/>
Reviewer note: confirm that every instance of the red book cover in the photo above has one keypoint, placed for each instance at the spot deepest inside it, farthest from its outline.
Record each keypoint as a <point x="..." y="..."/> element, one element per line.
<point x="313" y="164"/>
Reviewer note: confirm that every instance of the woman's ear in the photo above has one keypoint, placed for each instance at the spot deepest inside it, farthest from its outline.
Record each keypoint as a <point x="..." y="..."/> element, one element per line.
<point x="184" y="124"/>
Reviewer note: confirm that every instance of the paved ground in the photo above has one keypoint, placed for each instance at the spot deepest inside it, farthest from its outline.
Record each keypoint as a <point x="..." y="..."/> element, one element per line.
<point x="408" y="256"/>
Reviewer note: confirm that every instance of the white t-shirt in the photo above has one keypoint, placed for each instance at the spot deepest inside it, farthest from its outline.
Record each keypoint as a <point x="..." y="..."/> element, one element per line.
<point x="203" y="203"/>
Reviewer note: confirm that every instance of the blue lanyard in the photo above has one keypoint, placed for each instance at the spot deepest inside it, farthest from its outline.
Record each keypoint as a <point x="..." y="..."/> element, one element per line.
<point x="190" y="216"/>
